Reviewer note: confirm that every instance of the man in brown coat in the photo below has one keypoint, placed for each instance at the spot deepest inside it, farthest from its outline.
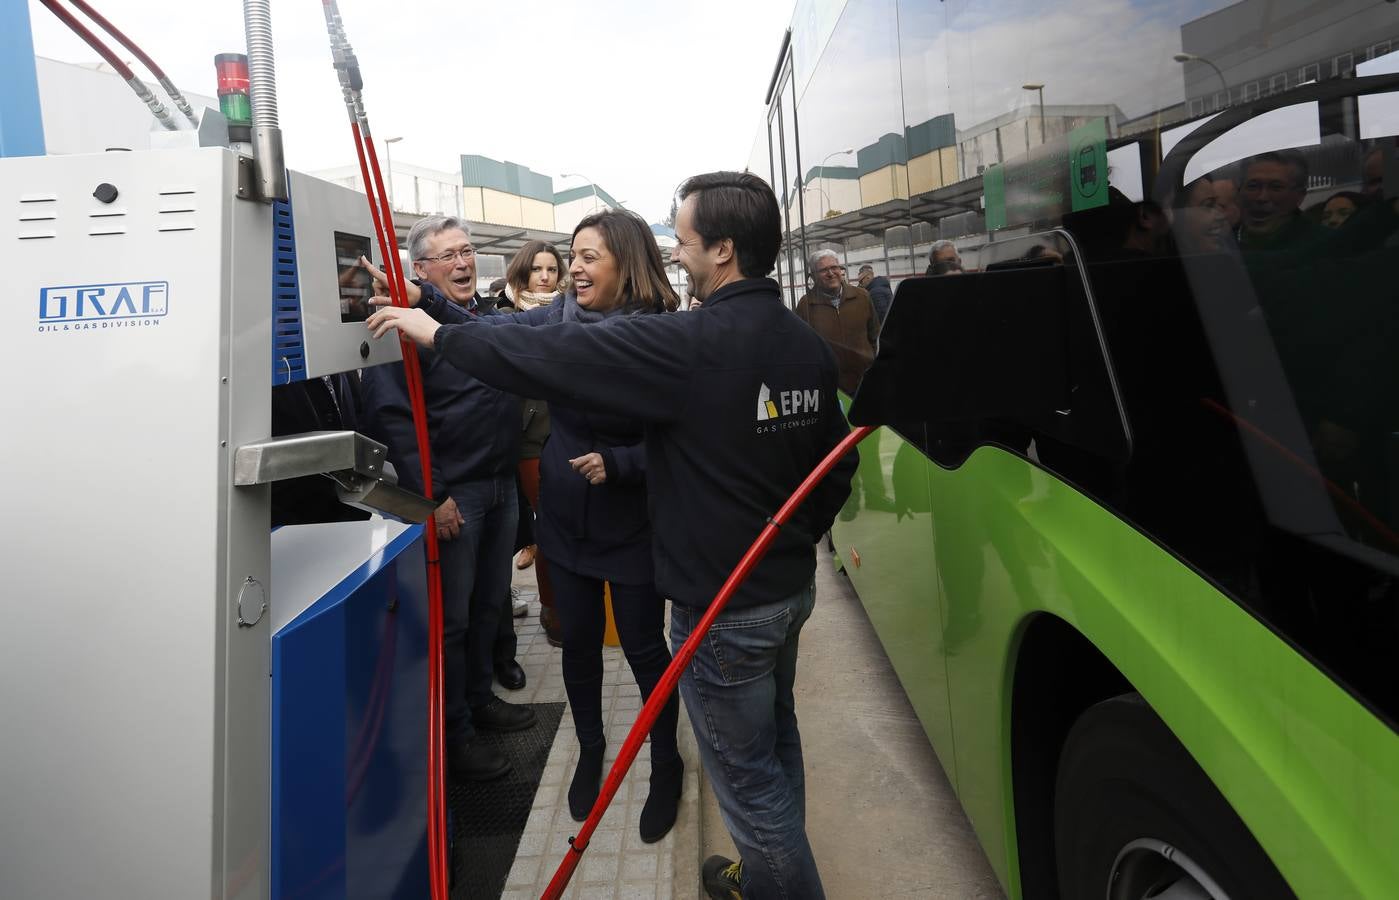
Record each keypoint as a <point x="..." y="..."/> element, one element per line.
<point x="842" y="314"/>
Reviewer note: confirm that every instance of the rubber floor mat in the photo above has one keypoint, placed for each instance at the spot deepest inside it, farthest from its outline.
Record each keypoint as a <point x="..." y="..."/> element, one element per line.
<point x="487" y="818"/>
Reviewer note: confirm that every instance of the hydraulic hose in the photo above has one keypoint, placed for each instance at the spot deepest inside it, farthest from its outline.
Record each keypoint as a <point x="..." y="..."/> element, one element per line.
<point x="122" y="69"/>
<point x="175" y="96"/>
<point x="642" y="726"/>
<point x="437" y="824"/>
<point x="347" y="69"/>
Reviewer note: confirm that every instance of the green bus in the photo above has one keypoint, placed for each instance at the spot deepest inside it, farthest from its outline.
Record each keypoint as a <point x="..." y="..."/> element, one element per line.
<point x="1130" y="531"/>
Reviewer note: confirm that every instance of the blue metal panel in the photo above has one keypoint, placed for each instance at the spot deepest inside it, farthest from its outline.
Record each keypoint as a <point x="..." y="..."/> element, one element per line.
<point x="21" y="120"/>
<point x="349" y="746"/>
<point x="288" y="350"/>
<point x="308" y="758"/>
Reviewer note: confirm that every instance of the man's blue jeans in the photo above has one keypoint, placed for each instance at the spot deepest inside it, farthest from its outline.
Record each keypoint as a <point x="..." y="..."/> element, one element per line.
<point x="738" y="692"/>
<point x="475" y="592"/>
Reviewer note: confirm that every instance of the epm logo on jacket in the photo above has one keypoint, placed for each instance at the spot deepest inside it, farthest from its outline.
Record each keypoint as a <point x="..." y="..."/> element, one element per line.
<point x="786" y="409"/>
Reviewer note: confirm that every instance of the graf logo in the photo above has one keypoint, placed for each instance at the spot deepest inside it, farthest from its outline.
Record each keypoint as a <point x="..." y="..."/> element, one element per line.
<point x="786" y="408"/>
<point x="78" y="307"/>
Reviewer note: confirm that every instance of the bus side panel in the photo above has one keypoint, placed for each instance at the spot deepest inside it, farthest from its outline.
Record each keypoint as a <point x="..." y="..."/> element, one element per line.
<point x="882" y="537"/>
<point x="1313" y="774"/>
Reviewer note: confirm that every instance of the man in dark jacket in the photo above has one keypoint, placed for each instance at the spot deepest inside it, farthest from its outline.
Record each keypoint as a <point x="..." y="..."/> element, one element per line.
<point x="879" y="289"/>
<point x="843" y="315"/>
<point x="739" y="404"/>
<point x="474" y="432"/>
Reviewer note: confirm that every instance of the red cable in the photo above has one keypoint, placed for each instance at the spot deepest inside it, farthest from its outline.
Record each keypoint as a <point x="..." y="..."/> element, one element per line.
<point x="388" y="245"/>
<point x="642" y="727"/>
<point x="122" y="39"/>
<point x="1282" y="450"/>
<point x="91" y="39"/>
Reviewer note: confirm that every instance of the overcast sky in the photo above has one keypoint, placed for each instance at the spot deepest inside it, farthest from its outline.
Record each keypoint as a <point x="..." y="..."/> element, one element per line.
<point x="634" y="94"/>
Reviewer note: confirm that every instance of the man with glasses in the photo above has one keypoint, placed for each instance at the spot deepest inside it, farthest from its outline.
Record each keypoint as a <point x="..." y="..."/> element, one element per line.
<point x="843" y="314"/>
<point x="474" y="432"/>
<point x="1271" y="191"/>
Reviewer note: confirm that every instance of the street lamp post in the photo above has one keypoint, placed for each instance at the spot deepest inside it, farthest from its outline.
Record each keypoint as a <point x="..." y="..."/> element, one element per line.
<point x="1184" y="58"/>
<point x="821" y="173"/>
<point x="1038" y="88"/>
<point x="388" y="163"/>
<point x="592" y="184"/>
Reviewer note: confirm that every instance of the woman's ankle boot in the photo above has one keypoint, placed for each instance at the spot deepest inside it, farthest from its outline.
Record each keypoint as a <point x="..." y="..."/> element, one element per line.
<point x="587" y="780"/>
<point x="667" y="784"/>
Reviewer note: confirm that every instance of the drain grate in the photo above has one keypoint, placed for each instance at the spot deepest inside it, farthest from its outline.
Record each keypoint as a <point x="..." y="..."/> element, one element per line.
<point x="487" y="818"/>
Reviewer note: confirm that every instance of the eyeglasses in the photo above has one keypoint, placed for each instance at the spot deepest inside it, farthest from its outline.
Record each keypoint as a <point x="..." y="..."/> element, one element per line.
<point x="830" y="269"/>
<point x="467" y="254"/>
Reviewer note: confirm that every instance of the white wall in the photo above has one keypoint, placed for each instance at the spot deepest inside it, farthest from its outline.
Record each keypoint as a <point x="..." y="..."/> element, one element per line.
<point x="87" y="110"/>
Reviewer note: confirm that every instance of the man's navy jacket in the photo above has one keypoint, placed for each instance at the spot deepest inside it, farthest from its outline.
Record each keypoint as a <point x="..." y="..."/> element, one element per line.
<point x="473" y="428"/>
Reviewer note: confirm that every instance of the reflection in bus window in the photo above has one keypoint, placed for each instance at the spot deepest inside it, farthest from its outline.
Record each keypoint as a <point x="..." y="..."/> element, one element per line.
<point x="1248" y="310"/>
<point x="842" y="314"/>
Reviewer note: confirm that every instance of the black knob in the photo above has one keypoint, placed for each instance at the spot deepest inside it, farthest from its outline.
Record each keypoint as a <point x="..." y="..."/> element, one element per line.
<point x="364" y="350"/>
<point x="105" y="193"/>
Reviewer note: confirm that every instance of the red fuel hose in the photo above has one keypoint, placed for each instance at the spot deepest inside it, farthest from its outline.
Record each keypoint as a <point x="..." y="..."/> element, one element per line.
<point x="180" y="102"/>
<point x="156" y="107"/>
<point x="388" y="247"/>
<point x="90" y="39"/>
<point x="642" y="727"/>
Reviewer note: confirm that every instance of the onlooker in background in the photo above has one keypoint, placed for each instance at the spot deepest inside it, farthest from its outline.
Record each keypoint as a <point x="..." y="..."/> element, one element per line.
<point x="1198" y="223"/>
<point x="1145" y="231"/>
<point x="474" y="430"/>
<point x="943" y="259"/>
<point x="1045" y="252"/>
<point x="842" y="314"/>
<point x="1339" y="207"/>
<point x="877" y="286"/>
<point x="497" y="293"/>
<point x="1270" y="195"/>
<point x="1226" y="197"/>
<point x="533" y="276"/>
<point x="1372" y="171"/>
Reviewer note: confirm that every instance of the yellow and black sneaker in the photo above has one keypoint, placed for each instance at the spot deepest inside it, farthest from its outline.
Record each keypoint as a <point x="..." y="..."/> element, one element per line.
<point x="721" y="877"/>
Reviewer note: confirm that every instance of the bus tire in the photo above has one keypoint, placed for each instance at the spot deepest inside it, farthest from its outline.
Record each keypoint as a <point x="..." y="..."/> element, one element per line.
<point x="1134" y="813"/>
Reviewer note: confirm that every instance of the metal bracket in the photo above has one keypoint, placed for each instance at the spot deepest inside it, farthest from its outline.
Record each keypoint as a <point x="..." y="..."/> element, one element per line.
<point x="312" y="453"/>
<point x="247" y="177"/>
<point x="383" y="495"/>
<point x="357" y="464"/>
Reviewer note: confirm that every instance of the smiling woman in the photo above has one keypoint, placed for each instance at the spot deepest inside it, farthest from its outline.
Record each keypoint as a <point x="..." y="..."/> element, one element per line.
<point x="615" y="262"/>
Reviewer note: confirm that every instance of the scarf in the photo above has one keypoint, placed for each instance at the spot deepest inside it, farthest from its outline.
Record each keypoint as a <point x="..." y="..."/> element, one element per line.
<point x="572" y="312"/>
<point x="529" y="299"/>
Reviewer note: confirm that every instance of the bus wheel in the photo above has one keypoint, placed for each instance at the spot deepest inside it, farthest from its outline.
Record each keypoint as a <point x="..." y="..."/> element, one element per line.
<point x="1135" y="817"/>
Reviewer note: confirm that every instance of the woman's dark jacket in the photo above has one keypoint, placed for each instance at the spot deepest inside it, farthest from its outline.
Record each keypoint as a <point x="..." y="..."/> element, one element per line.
<point x="601" y="531"/>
